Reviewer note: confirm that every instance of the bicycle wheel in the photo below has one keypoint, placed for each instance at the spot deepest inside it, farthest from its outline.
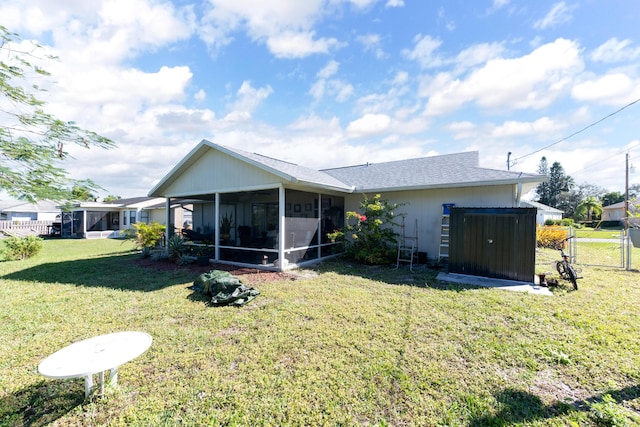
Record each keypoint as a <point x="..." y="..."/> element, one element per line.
<point x="567" y="272"/>
<point x="561" y="266"/>
<point x="573" y="276"/>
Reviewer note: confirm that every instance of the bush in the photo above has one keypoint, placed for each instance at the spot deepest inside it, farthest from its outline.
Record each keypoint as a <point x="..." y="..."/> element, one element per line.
<point x="22" y="247"/>
<point x="564" y="222"/>
<point x="175" y="246"/>
<point x="550" y="237"/>
<point x="145" y="235"/>
<point x="371" y="239"/>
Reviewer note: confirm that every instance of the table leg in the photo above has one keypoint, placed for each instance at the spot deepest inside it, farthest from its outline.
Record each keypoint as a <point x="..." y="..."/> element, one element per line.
<point x="113" y="378"/>
<point x="88" y="384"/>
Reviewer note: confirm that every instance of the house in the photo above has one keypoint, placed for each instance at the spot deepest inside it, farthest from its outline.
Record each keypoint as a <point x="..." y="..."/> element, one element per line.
<point x="92" y="220"/>
<point x="279" y="213"/>
<point x="544" y="212"/>
<point x="13" y="210"/>
<point x="615" y="212"/>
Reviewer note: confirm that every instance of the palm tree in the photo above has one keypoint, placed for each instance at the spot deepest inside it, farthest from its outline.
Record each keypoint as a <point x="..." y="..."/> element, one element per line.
<point x="591" y="205"/>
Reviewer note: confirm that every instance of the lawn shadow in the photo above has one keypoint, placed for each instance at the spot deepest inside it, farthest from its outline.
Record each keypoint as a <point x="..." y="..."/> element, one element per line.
<point x="422" y="275"/>
<point x="41" y="403"/>
<point x="115" y="272"/>
<point x="519" y="406"/>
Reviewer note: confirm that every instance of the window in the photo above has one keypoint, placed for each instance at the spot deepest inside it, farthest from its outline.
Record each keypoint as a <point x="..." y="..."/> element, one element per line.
<point x="144" y="216"/>
<point x="132" y="217"/>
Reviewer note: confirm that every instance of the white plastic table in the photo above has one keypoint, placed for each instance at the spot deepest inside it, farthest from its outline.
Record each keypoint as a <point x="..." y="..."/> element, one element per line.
<point x="95" y="355"/>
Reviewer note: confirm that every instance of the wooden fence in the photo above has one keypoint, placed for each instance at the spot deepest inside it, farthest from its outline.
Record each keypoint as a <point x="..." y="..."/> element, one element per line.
<point x="24" y="228"/>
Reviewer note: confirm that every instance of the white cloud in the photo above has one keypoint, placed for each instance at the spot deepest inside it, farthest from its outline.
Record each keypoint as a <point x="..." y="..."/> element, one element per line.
<point x="424" y="51"/>
<point x="371" y="43"/>
<point x="611" y="89"/>
<point x="401" y="78"/>
<point x="326" y="86"/>
<point x="614" y="50"/>
<point x="329" y="70"/>
<point x="560" y="13"/>
<point x="200" y="96"/>
<point x="531" y="81"/>
<point x="513" y="128"/>
<point x="284" y="26"/>
<point x="394" y="3"/>
<point x="300" y="44"/>
<point x="478" y="54"/>
<point x="368" y="125"/>
<point x="249" y="98"/>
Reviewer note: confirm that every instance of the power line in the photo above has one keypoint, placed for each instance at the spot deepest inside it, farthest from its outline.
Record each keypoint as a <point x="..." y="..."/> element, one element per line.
<point x="580" y="131"/>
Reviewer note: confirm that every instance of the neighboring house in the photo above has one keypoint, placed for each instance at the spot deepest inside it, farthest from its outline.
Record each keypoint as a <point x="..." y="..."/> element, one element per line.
<point x="614" y="212"/>
<point x="280" y="212"/>
<point x="544" y="212"/>
<point x="13" y="210"/>
<point x="102" y="220"/>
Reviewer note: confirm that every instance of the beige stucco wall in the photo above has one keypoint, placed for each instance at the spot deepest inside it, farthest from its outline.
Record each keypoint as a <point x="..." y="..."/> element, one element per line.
<point x="426" y="207"/>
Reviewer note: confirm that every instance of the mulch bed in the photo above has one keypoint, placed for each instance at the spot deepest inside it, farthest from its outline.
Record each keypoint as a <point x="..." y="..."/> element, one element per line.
<point x="247" y="275"/>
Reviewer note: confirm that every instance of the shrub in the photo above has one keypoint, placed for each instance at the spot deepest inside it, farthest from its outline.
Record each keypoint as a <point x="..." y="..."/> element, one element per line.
<point x="185" y="260"/>
<point x="550" y="237"/>
<point x="145" y="235"/>
<point x="371" y="238"/>
<point x="175" y="246"/>
<point x="145" y="252"/>
<point x="22" y="247"/>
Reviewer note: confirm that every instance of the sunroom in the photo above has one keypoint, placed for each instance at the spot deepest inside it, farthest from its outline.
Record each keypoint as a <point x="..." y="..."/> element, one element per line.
<point x="253" y="210"/>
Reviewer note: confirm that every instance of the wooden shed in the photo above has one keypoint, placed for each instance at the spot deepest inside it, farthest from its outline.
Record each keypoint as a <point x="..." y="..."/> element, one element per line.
<point x="493" y="242"/>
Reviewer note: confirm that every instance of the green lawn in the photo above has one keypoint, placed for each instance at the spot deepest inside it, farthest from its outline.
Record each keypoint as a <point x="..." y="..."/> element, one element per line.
<point x="349" y="346"/>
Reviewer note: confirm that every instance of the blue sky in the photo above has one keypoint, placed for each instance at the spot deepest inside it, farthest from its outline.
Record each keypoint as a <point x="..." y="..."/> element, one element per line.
<point x="327" y="83"/>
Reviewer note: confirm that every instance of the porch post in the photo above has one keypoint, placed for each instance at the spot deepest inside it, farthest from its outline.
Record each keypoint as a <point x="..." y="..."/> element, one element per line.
<point x="281" y="230"/>
<point x="84" y="224"/>
<point x="319" y="219"/>
<point x="168" y="230"/>
<point x="216" y="226"/>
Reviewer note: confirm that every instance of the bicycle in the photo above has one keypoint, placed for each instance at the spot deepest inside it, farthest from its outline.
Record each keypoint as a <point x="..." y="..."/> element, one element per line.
<point x="565" y="269"/>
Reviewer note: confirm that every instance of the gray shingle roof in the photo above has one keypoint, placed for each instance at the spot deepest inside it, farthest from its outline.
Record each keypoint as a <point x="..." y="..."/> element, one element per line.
<point x="297" y="172"/>
<point x="449" y="170"/>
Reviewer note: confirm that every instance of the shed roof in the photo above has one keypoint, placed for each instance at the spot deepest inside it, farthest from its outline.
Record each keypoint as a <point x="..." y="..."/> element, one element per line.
<point x="541" y="206"/>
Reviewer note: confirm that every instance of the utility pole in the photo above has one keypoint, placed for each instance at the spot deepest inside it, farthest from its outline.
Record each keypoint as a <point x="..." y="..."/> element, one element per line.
<point x="509" y="160"/>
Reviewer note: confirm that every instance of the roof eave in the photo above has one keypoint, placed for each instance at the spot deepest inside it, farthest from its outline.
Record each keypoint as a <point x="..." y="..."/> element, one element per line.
<point x="523" y="180"/>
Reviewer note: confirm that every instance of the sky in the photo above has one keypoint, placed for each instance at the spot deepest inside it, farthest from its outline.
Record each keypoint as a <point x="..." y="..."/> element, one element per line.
<point x="330" y="83"/>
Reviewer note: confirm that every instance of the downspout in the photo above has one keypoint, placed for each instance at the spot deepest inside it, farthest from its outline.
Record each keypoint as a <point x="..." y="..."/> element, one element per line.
<point x="518" y="191"/>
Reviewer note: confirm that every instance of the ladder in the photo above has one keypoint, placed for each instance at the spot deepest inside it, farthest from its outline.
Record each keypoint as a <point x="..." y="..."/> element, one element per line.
<point x="408" y="246"/>
<point x="443" y="249"/>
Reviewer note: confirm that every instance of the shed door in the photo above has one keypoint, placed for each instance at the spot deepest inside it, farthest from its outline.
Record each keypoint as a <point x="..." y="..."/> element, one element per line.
<point x="493" y="243"/>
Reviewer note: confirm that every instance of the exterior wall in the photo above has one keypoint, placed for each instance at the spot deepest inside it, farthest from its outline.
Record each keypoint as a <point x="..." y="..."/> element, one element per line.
<point x="225" y="173"/>
<point x="30" y="216"/>
<point x="426" y="206"/>
<point x="543" y="216"/>
<point x="613" y="214"/>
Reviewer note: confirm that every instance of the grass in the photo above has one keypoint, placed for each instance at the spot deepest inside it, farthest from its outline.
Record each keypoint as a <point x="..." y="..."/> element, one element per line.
<point x="351" y="345"/>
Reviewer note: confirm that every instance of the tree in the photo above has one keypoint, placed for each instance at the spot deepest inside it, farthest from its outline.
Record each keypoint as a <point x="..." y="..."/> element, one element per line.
<point x="542" y="189"/>
<point x="111" y="198"/>
<point x="558" y="183"/>
<point x="82" y="193"/>
<point x="32" y="141"/>
<point x="370" y="235"/>
<point x="590" y="205"/>
<point x="612" y="198"/>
